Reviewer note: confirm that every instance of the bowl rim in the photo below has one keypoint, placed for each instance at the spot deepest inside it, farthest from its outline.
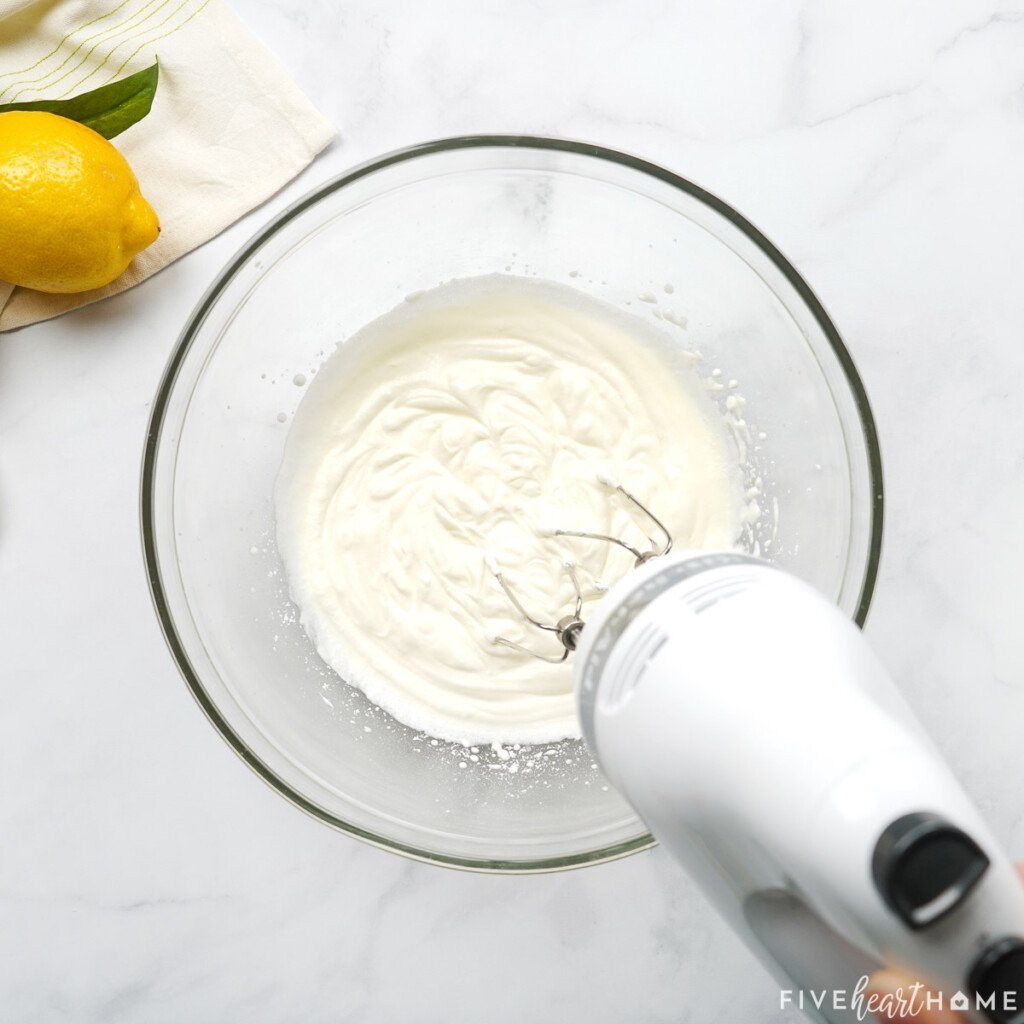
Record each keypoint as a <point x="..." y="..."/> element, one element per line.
<point x="198" y="316"/>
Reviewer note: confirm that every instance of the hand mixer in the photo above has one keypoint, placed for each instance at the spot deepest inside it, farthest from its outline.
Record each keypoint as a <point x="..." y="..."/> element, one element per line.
<point x="751" y="727"/>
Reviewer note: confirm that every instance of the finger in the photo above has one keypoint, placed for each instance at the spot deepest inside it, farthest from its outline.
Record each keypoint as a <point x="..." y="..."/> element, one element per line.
<point x="893" y="990"/>
<point x="893" y="998"/>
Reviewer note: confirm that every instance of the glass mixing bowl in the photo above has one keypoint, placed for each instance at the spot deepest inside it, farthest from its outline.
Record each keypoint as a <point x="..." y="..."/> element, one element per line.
<point x="611" y="225"/>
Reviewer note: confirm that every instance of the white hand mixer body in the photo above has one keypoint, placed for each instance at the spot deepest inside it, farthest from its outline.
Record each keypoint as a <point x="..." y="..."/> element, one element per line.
<point x="751" y="727"/>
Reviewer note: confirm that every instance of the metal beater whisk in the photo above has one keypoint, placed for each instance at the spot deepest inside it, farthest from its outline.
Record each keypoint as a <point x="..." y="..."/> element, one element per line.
<point x="568" y="628"/>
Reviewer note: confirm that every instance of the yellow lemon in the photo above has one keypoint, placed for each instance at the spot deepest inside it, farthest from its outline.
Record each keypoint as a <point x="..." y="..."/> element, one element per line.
<point x="71" y="214"/>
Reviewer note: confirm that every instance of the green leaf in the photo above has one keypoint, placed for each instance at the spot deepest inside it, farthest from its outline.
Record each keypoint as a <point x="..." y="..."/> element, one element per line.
<point x="110" y="109"/>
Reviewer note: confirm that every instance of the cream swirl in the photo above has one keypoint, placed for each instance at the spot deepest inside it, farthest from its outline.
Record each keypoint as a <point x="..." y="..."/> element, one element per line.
<point x="469" y="422"/>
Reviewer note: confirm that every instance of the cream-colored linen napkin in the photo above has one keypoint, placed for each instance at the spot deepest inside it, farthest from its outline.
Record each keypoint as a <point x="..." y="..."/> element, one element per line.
<point x="227" y="130"/>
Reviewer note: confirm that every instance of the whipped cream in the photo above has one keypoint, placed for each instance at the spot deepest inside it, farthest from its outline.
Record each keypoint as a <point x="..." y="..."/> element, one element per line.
<point x="454" y="434"/>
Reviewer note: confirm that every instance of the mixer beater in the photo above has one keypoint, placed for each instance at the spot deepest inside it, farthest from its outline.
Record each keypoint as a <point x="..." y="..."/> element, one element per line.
<point x="569" y="627"/>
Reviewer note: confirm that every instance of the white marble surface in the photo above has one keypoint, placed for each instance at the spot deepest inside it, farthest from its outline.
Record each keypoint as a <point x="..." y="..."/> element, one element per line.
<point x="146" y="875"/>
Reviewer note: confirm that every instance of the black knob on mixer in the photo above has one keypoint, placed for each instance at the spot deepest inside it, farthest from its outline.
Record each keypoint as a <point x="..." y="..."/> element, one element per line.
<point x="924" y="867"/>
<point x="998" y="979"/>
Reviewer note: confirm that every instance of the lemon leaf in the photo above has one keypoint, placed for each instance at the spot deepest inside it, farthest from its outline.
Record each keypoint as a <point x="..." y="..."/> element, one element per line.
<point x="108" y="110"/>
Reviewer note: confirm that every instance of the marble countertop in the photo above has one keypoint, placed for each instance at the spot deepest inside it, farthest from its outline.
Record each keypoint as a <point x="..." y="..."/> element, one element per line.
<point x="146" y="875"/>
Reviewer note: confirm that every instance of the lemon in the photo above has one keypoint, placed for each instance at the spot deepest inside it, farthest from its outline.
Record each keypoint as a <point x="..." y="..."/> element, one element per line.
<point x="71" y="214"/>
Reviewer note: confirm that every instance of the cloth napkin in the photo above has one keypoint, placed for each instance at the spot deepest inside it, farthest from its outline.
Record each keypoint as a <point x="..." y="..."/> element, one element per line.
<point x="228" y="127"/>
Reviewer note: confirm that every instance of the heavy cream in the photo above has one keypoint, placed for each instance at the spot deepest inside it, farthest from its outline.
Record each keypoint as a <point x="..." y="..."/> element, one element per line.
<point x="454" y="434"/>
